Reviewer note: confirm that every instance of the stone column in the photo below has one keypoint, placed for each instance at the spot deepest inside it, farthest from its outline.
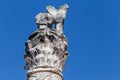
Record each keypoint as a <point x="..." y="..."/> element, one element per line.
<point x="46" y="48"/>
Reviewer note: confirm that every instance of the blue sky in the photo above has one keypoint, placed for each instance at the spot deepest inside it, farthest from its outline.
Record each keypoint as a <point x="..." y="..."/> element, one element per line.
<point x="92" y="28"/>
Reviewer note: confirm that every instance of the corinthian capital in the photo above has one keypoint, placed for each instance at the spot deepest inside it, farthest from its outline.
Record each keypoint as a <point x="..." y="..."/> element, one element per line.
<point x="46" y="48"/>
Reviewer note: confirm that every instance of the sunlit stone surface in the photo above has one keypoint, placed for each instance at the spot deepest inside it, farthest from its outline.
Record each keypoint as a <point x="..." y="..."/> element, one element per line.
<point x="46" y="48"/>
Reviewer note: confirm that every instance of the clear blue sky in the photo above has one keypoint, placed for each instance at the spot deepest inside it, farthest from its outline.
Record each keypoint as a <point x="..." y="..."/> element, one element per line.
<point x="92" y="28"/>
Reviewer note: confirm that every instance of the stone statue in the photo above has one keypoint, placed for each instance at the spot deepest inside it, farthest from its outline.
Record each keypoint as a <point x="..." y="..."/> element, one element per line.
<point x="46" y="48"/>
<point x="53" y="16"/>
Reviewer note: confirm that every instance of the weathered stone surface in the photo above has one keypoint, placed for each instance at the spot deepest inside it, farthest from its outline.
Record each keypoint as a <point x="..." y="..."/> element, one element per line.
<point x="46" y="48"/>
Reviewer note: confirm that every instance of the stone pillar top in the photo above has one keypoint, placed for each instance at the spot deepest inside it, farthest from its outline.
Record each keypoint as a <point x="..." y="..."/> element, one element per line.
<point x="46" y="48"/>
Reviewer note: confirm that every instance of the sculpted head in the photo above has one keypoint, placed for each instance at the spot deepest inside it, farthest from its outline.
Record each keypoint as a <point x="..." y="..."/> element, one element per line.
<point x="65" y="7"/>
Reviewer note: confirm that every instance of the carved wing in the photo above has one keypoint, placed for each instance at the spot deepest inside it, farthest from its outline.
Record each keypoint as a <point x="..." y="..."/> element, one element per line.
<point x="52" y="10"/>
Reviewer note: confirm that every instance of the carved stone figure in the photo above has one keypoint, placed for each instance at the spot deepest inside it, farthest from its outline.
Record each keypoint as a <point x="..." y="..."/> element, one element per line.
<point x="58" y="16"/>
<point x="46" y="48"/>
<point x="43" y="19"/>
